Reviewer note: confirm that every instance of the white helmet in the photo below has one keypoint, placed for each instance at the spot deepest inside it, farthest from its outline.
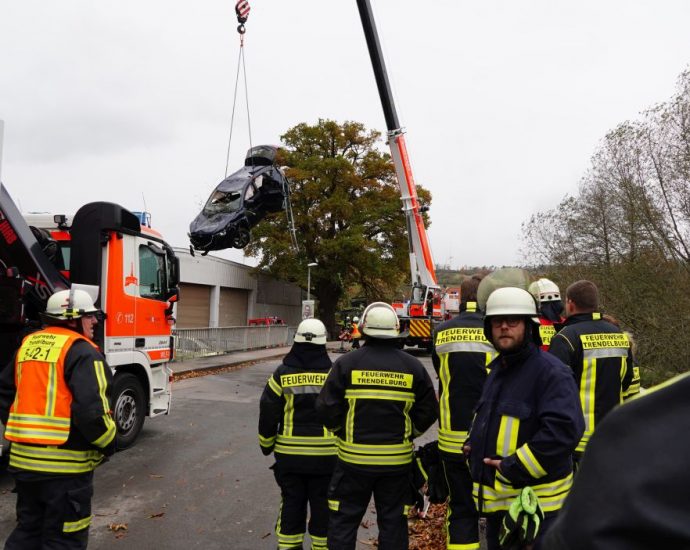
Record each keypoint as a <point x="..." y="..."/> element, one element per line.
<point x="380" y="321"/>
<point x="69" y="304"/>
<point x="355" y="319"/>
<point x="311" y="331"/>
<point x="511" y="301"/>
<point x="545" y="290"/>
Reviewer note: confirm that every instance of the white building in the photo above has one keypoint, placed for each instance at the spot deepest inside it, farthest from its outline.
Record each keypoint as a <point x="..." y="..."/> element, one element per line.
<point x="215" y="292"/>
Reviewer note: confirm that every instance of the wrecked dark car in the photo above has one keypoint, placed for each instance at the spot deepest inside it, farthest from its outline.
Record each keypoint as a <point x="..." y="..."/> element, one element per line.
<point x="240" y="202"/>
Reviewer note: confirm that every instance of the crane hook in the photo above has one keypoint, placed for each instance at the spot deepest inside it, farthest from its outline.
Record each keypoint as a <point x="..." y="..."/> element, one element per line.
<point x="242" y="11"/>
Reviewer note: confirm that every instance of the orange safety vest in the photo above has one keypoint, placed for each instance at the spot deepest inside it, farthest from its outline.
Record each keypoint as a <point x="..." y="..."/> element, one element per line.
<point x="355" y="331"/>
<point x="41" y="410"/>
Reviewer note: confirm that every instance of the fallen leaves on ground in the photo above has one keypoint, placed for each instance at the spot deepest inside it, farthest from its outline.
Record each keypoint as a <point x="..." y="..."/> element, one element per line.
<point x="213" y="370"/>
<point x="428" y="533"/>
<point x="117" y="526"/>
<point x="158" y="515"/>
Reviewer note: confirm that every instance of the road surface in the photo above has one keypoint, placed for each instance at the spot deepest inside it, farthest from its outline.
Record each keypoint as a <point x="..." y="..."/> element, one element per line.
<point x="194" y="479"/>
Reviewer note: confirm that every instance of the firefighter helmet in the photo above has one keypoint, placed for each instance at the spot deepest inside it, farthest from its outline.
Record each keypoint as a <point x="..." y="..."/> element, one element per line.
<point x="69" y="304"/>
<point x="511" y="301"/>
<point x="311" y="331"/>
<point x="379" y="320"/>
<point x="545" y="290"/>
<point x="355" y="319"/>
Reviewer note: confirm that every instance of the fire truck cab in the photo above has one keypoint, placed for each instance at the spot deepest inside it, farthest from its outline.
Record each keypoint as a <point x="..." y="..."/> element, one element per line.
<point x="137" y="274"/>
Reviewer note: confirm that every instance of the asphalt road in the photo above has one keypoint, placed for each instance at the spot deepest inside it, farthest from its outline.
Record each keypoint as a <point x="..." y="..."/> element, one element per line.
<point x="196" y="478"/>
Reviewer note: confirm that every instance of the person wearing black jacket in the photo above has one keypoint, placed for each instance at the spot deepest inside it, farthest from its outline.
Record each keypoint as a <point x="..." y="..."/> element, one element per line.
<point x="55" y="404"/>
<point x="376" y="399"/>
<point x="303" y="448"/>
<point x="528" y="419"/>
<point x="460" y="357"/>
<point x="599" y="354"/>
<point x="631" y="491"/>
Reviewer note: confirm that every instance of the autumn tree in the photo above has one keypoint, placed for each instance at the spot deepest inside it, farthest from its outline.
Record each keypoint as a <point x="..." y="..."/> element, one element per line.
<point x="348" y="217"/>
<point x="628" y="229"/>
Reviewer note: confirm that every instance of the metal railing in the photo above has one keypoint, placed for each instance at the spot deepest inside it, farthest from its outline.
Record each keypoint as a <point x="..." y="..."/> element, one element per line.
<point x="191" y="343"/>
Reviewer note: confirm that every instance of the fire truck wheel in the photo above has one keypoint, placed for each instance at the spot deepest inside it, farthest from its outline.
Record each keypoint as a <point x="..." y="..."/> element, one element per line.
<point x="128" y="411"/>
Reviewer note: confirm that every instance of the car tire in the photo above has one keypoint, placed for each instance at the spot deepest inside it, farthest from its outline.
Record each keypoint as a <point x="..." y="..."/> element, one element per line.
<point x="241" y="238"/>
<point x="128" y="408"/>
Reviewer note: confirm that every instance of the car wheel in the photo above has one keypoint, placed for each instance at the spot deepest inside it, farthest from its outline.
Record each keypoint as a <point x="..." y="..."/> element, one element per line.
<point x="241" y="238"/>
<point x="128" y="409"/>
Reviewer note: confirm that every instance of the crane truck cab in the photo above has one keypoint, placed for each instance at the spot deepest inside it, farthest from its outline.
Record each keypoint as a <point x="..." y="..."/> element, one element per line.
<point x="137" y="273"/>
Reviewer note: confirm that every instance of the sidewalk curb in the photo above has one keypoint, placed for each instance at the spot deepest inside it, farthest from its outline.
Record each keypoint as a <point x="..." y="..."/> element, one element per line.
<point x="227" y="365"/>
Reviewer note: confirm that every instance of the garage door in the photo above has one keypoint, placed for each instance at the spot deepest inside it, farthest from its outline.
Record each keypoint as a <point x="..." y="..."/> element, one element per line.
<point x="193" y="308"/>
<point x="233" y="307"/>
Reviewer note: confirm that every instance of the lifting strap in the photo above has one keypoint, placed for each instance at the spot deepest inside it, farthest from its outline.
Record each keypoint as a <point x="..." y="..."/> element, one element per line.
<point x="242" y="11"/>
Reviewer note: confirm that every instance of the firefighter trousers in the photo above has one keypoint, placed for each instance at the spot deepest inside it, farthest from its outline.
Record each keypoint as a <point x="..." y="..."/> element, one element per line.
<point x="53" y="514"/>
<point x="348" y="498"/>
<point x="297" y="491"/>
<point x="462" y="519"/>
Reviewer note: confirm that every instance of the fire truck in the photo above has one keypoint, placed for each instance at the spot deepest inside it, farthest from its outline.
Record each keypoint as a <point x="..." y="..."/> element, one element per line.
<point x="425" y="307"/>
<point x="107" y="249"/>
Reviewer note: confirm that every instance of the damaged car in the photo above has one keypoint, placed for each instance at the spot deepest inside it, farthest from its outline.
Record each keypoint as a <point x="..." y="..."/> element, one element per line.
<point x="239" y="202"/>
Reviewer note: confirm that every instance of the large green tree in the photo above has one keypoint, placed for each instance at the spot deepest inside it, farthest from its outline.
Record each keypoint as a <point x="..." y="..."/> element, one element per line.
<point x="347" y="213"/>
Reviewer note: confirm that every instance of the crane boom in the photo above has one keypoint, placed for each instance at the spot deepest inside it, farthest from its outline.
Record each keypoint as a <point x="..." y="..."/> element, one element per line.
<point x="422" y="269"/>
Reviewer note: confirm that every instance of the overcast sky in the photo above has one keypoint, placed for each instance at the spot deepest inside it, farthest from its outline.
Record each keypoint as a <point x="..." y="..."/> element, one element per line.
<point x="503" y="102"/>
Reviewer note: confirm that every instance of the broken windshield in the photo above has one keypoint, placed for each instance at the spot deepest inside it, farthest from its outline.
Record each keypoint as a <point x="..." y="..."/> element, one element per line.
<point x="223" y="202"/>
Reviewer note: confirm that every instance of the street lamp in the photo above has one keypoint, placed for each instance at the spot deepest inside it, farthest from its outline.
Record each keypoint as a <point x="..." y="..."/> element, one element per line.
<point x="309" y="266"/>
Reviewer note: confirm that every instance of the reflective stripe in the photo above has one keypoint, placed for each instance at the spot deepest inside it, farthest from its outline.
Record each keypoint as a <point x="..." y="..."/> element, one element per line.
<point x="406" y="509"/>
<point x="109" y="434"/>
<point x="40" y="419"/>
<point x="410" y="429"/>
<point x="277" y="389"/>
<point x="73" y="526"/>
<point x="471" y="347"/>
<point x="267" y="441"/>
<point x="53" y="459"/>
<point x="470" y="546"/>
<point x="308" y="440"/>
<point x="390" y="395"/>
<point x="102" y="384"/>
<point x="304" y="450"/>
<point x="444" y="404"/>
<point x="306" y="445"/>
<point x="301" y="390"/>
<point x="604" y="352"/>
<point x="13" y="433"/>
<point x="318" y="543"/>
<point x="507" y="435"/>
<point x="376" y="455"/>
<point x="350" y="421"/>
<point x="333" y="505"/>
<point x="288" y="415"/>
<point x="587" y="398"/>
<point x="530" y="462"/>
<point x="51" y="390"/>
<point x="551" y="495"/>
<point x="451" y="441"/>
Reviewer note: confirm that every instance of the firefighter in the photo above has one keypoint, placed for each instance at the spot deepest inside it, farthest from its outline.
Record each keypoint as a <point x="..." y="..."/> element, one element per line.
<point x="528" y="419"/>
<point x="376" y="399"/>
<point x="304" y="450"/>
<point x="548" y="297"/>
<point x="631" y="491"/>
<point x="55" y="404"/>
<point x="460" y="357"/>
<point x="355" y="335"/>
<point x="599" y="354"/>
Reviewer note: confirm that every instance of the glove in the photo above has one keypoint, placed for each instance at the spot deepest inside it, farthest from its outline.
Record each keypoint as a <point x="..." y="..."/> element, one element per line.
<point x="521" y="522"/>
